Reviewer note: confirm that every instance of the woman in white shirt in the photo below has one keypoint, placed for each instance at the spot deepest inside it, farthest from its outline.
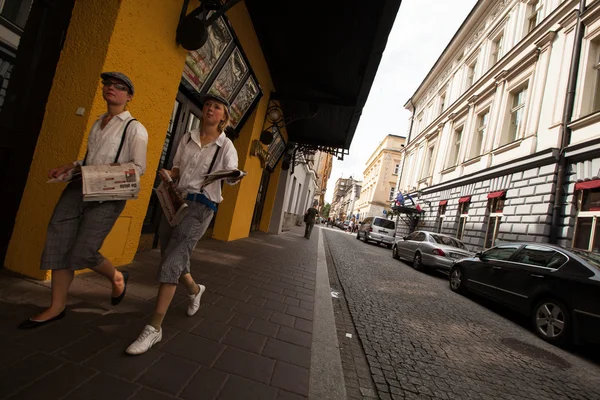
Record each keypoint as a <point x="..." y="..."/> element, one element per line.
<point x="199" y="152"/>
<point x="77" y="229"/>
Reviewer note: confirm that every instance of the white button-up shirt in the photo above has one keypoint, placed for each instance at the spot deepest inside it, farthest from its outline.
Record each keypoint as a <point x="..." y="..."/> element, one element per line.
<point x="193" y="160"/>
<point x="103" y="144"/>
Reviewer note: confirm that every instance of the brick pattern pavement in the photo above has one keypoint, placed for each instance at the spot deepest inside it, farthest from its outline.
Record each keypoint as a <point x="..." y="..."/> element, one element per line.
<point x="425" y="342"/>
<point x="251" y="338"/>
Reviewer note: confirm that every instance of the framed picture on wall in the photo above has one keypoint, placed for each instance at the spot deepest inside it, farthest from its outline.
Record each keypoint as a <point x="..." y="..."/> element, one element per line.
<point x="276" y="149"/>
<point x="230" y="76"/>
<point x="200" y="63"/>
<point x="244" y="99"/>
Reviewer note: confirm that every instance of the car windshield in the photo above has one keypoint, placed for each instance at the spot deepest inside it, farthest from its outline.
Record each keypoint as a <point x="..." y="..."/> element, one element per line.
<point x="448" y="241"/>
<point x="591" y="258"/>
<point x="384" y="223"/>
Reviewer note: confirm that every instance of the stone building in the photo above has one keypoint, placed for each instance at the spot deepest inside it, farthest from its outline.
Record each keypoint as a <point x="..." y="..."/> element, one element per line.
<point x="498" y="148"/>
<point x="380" y="178"/>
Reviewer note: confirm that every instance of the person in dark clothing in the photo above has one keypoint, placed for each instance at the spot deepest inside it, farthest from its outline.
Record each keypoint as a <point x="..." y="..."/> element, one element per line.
<point x="309" y="219"/>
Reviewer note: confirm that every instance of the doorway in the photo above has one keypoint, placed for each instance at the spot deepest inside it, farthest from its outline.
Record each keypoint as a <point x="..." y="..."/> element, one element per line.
<point x="260" y="200"/>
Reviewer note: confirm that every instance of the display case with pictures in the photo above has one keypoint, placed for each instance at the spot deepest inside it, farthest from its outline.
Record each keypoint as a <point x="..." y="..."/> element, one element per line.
<point x="275" y="150"/>
<point x="220" y="67"/>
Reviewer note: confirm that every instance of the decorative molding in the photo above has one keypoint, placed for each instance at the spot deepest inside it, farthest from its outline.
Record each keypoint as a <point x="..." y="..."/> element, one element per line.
<point x="259" y="151"/>
<point x="472" y="100"/>
<point x="525" y="63"/>
<point x="569" y="20"/>
<point x="501" y="77"/>
<point x="545" y="41"/>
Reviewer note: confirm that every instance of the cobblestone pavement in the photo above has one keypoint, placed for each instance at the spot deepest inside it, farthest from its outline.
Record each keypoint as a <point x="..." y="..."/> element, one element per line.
<point x="423" y="341"/>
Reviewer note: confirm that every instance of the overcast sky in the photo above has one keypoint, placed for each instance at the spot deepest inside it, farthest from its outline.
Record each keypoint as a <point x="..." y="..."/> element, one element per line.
<point x="421" y="32"/>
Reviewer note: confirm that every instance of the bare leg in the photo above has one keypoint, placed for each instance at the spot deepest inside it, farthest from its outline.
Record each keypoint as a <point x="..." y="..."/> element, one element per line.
<point x="166" y="291"/>
<point x="106" y="269"/>
<point x="189" y="283"/>
<point x="61" y="280"/>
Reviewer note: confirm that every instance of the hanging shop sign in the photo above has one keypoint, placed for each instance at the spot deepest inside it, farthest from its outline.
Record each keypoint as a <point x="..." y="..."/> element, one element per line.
<point x="220" y="67"/>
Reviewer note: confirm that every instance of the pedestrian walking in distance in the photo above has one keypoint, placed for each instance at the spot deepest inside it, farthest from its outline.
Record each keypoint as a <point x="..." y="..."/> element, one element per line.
<point x="200" y="151"/>
<point x="309" y="219"/>
<point x="77" y="229"/>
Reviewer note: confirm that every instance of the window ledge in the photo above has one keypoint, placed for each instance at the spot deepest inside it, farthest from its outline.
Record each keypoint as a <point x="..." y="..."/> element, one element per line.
<point x="449" y="169"/>
<point x="472" y="160"/>
<point x="507" y="147"/>
<point x="585" y="121"/>
<point x="425" y="179"/>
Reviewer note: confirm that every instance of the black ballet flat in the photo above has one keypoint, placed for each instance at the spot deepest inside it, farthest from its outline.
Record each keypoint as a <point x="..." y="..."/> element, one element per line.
<point x="31" y="324"/>
<point x="116" y="300"/>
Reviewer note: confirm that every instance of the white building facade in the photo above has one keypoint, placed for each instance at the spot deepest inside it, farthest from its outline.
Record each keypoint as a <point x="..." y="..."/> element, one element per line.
<point x="491" y="127"/>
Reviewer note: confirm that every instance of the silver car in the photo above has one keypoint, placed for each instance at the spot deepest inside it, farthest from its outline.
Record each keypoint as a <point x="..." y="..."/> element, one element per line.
<point x="430" y="249"/>
<point x="377" y="229"/>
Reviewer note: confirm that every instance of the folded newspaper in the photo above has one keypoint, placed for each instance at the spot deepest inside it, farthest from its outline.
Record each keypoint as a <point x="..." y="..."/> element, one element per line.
<point x="173" y="206"/>
<point x="110" y="182"/>
<point x="222" y="174"/>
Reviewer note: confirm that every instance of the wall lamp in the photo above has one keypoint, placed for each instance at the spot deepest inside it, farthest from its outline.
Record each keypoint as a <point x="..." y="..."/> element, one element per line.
<point x="192" y="30"/>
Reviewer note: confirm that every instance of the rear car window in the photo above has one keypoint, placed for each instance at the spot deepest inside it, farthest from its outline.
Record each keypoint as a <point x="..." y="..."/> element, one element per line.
<point x="501" y="252"/>
<point x="591" y="258"/>
<point x="537" y="255"/>
<point x="448" y="241"/>
<point x="384" y="223"/>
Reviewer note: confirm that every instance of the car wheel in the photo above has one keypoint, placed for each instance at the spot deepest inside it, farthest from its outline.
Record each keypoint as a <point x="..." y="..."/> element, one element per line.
<point x="395" y="252"/>
<point x="552" y="321"/>
<point x="365" y="238"/>
<point x="456" y="280"/>
<point x="418" y="262"/>
<point x="357" y="236"/>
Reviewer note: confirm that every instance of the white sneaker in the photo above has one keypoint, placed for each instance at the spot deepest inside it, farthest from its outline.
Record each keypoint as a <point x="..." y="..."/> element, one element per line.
<point x="195" y="301"/>
<point x="149" y="336"/>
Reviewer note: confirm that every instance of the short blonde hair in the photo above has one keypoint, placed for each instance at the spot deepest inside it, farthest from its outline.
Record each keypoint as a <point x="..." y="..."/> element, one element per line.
<point x="225" y="123"/>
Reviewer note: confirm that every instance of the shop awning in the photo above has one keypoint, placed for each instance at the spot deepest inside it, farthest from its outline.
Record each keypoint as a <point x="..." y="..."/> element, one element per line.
<point x="443" y="202"/>
<point x="495" y="195"/>
<point x="464" y="199"/>
<point x="588" y="185"/>
<point x="323" y="59"/>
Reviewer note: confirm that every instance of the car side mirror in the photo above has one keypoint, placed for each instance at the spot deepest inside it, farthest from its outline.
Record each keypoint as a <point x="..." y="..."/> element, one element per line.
<point x="404" y="238"/>
<point x="479" y="254"/>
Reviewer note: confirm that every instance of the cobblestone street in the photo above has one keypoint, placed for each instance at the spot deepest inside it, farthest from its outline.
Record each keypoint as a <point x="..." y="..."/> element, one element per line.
<point x="423" y="341"/>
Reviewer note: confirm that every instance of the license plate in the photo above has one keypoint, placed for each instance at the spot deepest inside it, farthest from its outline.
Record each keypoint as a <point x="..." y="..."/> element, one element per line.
<point x="380" y="231"/>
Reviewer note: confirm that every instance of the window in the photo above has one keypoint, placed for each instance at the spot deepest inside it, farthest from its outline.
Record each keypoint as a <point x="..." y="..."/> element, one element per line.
<point x="396" y="169"/>
<point x="418" y="237"/>
<point x="503" y="252"/>
<point x="420" y="123"/>
<point x="517" y="113"/>
<point x="392" y="192"/>
<point x="441" y="215"/>
<point x="454" y="147"/>
<point x="442" y="102"/>
<point x="471" y="70"/>
<point x="587" y="228"/>
<point x="496" y="53"/>
<point x="479" y="135"/>
<point x="534" y="14"/>
<point x="384" y="223"/>
<point x="447" y="241"/>
<point x="495" y="207"/>
<point x="463" y="215"/>
<point x="540" y="256"/>
<point x="595" y="53"/>
<point x="15" y="11"/>
<point x="426" y="171"/>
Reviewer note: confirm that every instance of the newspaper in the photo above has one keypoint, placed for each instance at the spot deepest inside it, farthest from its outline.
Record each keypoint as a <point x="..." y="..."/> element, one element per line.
<point x="73" y="174"/>
<point x="222" y="174"/>
<point x="173" y="206"/>
<point x="110" y="182"/>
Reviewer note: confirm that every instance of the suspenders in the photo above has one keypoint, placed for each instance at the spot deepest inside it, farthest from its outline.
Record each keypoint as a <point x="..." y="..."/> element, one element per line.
<point x="120" y="145"/>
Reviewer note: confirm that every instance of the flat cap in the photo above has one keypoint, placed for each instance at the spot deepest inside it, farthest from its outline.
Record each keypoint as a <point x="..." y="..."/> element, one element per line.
<point x="120" y="76"/>
<point x="216" y="97"/>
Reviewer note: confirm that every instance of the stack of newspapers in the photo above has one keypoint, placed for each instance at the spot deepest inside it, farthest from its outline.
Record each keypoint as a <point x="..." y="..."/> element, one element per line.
<point x="173" y="205"/>
<point x="110" y="182"/>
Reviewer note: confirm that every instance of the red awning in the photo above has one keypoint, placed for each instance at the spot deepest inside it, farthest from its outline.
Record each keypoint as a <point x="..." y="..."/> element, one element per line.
<point x="443" y="202"/>
<point x="465" y="199"/>
<point x="588" y="185"/>
<point x="495" y="195"/>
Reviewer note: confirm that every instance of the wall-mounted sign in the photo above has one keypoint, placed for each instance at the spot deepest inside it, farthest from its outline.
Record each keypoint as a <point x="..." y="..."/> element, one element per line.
<point x="276" y="149"/>
<point x="220" y="67"/>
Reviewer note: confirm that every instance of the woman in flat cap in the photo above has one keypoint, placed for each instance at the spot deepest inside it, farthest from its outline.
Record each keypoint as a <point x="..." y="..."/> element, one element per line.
<point x="77" y="229"/>
<point x="200" y="151"/>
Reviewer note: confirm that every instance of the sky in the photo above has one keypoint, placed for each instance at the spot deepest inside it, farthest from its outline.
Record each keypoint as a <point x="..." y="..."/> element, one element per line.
<point x="421" y="32"/>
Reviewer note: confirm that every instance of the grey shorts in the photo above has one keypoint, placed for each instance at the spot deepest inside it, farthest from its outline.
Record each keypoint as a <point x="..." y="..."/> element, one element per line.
<point x="77" y="230"/>
<point x="177" y="243"/>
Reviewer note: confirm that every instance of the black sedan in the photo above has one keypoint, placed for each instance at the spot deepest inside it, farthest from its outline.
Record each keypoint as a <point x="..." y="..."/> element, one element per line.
<point x="558" y="288"/>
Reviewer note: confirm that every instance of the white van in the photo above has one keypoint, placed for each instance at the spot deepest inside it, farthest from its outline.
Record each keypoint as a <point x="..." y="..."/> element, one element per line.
<point x="377" y="229"/>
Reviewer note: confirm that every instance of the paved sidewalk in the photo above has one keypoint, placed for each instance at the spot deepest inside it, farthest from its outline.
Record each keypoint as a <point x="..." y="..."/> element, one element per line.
<point x="251" y="339"/>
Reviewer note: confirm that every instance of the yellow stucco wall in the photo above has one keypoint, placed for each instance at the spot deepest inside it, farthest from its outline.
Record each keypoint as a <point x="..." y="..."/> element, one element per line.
<point x="235" y="213"/>
<point x="103" y="35"/>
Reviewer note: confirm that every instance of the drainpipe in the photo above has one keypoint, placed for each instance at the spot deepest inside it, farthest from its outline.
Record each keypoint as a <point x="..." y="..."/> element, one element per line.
<point x="565" y="131"/>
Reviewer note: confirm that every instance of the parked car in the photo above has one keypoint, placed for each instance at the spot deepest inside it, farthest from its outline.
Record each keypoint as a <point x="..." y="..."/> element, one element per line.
<point x="378" y="230"/>
<point x="430" y="249"/>
<point x="558" y="288"/>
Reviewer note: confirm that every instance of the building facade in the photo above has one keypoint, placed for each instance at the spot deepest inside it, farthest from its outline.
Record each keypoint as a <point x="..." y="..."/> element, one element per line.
<point x="380" y="178"/>
<point x="499" y="150"/>
<point x="53" y="51"/>
<point x="323" y="165"/>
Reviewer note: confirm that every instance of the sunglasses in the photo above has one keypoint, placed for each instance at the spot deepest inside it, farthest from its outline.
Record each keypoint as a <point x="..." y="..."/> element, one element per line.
<point x="118" y="86"/>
